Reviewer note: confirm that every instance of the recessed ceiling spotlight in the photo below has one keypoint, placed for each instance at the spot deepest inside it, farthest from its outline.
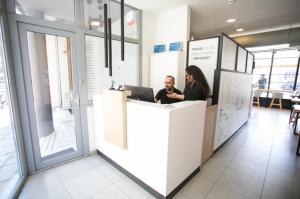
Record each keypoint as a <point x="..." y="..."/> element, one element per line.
<point x="239" y="29"/>
<point x="95" y="23"/>
<point x="231" y="20"/>
<point x="230" y="2"/>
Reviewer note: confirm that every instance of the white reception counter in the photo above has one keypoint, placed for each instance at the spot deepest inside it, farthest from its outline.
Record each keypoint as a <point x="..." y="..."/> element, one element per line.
<point x="164" y="143"/>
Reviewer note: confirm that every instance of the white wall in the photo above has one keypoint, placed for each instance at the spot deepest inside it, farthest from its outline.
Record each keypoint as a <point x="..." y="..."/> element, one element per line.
<point x="156" y="147"/>
<point x="163" y="64"/>
<point x="174" y="26"/>
<point x="171" y="26"/>
<point x="166" y="27"/>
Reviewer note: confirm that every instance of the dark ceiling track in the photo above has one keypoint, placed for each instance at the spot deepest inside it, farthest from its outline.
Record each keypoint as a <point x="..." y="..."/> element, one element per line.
<point x="122" y="30"/>
<point x="105" y="36"/>
<point x="108" y="37"/>
<point x="109" y="47"/>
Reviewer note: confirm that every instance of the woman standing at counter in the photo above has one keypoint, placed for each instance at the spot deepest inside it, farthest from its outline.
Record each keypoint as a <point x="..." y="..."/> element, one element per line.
<point x="196" y="87"/>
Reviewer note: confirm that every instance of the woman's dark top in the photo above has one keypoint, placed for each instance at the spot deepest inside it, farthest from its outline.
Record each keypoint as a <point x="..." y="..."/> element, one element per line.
<point x="193" y="93"/>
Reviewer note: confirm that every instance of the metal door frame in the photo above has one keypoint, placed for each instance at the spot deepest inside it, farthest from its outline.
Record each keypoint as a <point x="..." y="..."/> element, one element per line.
<point x="23" y="28"/>
<point x="14" y="107"/>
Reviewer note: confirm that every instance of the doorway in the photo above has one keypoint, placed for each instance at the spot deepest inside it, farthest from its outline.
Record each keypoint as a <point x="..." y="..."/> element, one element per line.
<point x="51" y="81"/>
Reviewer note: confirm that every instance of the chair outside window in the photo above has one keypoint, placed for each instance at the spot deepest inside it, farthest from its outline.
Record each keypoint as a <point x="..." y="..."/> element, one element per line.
<point x="256" y="95"/>
<point x="276" y="100"/>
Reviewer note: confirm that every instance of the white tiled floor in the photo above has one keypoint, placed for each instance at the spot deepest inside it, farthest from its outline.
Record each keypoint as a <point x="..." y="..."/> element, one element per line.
<point x="260" y="162"/>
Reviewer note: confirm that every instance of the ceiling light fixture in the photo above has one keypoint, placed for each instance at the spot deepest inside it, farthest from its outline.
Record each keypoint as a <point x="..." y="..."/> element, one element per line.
<point x="95" y="23"/>
<point x="230" y="2"/>
<point x="240" y="29"/>
<point x="231" y="20"/>
<point x="271" y="47"/>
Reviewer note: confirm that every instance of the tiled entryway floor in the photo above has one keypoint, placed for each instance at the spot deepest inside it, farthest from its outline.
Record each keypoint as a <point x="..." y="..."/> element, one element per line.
<point x="63" y="137"/>
<point x="259" y="162"/>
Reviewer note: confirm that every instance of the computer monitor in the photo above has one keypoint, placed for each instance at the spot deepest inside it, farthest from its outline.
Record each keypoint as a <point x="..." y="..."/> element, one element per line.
<point x="140" y="93"/>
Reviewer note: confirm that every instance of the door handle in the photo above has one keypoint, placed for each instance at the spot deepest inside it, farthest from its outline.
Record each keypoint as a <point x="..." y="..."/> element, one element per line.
<point x="76" y="101"/>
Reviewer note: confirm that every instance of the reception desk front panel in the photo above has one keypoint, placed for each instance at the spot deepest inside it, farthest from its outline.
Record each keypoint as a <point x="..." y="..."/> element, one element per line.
<point x="164" y="142"/>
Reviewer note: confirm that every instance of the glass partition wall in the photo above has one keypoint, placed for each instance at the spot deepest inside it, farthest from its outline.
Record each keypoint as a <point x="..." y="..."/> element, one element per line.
<point x="61" y="55"/>
<point x="276" y="71"/>
<point x="284" y="70"/>
<point x="94" y="19"/>
<point x="11" y="167"/>
<point x="261" y="72"/>
<point x="58" y="46"/>
<point x="47" y="10"/>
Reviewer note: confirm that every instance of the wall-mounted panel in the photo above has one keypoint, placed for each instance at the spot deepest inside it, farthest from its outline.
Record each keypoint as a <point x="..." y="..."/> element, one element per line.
<point x="233" y="105"/>
<point x="204" y="54"/>
<point x="241" y="61"/>
<point x="115" y="117"/>
<point x="250" y="61"/>
<point x="228" y="54"/>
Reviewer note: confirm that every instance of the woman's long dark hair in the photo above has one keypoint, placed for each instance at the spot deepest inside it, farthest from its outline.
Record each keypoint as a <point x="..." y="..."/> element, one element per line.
<point x="199" y="78"/>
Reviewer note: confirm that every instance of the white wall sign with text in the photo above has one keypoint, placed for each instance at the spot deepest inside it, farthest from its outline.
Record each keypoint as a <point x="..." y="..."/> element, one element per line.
<point x="204" y="54"/>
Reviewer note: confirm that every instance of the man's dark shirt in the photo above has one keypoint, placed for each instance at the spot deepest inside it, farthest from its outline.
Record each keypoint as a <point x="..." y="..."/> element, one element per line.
<point x="162" y="96"/>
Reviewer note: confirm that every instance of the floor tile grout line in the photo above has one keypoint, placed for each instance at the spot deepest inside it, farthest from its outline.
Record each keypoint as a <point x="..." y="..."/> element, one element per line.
<point x="67" y="191"/>
<point x="233" y="154"/>
<point x="124" y="191"/>
<point x="101" y="190"/>
<point x="267" y="166"/>
<point x="225" y="168"/>
<point x="262" y="188"/>
<point x="215" y="183"/>
<point x="43" y="189"/>
<point x="64" y="164"/>
<point x="113" y="182"/>
<point x="94" y="168"/>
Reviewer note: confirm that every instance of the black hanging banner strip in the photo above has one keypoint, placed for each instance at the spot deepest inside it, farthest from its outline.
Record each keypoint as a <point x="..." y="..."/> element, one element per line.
<point x="109" y="47"/>
<point x="122" y="30"/>
<point x="105" y="36"/>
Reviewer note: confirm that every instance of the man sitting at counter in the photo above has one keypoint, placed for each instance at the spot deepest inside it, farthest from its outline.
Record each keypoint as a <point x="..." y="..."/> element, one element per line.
<point x="169" y="88"/>
<point x="196" y="87"/>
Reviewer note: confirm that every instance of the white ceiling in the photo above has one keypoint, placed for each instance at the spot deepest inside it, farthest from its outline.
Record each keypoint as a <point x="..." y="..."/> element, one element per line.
<point x="64" y="9"/>
<point x="208" y="17"/>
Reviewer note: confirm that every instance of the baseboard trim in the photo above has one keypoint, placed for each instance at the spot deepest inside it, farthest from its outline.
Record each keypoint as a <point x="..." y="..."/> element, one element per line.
<point x="231" y="137"/>
<point x="144" y="185"/>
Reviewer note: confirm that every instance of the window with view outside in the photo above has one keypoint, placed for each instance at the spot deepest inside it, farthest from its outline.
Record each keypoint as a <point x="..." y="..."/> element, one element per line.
<point x="298" y="79"/>
<point x="9" y="162"/>
<point x="284" y="70"/>
<point x="262" y="69"/>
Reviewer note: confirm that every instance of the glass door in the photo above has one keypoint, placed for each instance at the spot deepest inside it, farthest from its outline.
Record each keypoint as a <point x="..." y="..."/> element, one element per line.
<point x="51" y="80"/>
<point x="10" y="168"/>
